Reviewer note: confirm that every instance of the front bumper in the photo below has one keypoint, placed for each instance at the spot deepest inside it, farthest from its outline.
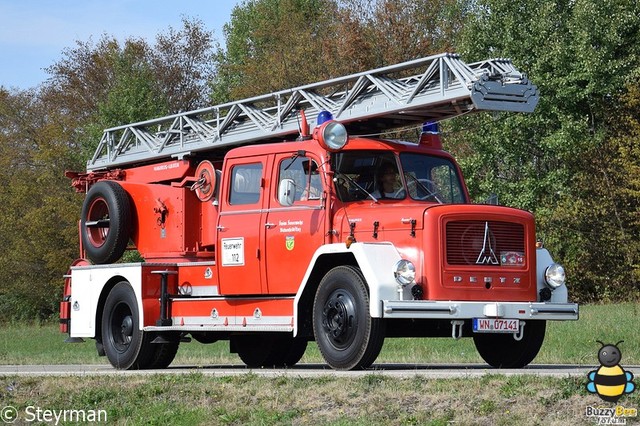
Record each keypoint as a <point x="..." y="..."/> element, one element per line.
<point x="420" y="309"/>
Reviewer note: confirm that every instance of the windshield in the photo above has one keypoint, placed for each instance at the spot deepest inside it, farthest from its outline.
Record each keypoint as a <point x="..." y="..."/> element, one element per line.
<point x="380" y="175"/>
<point x="431" y="178"/>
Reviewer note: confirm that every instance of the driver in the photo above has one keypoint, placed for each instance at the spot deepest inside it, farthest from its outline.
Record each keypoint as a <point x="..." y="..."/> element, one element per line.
<point x="389" y="185"/>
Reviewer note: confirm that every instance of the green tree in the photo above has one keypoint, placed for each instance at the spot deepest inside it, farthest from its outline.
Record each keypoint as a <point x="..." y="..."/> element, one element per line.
<point x="110" y="83"/>
<point x="580" y="54"/>
<point x="182" y="62"/>
<point x="37" y="230"/>
<point x="273" y="45"/>
<point x="133" y="95"/>
<point x="626" y="176"/>
<point x="606" y="217"/>
<point x="401" y="30"/>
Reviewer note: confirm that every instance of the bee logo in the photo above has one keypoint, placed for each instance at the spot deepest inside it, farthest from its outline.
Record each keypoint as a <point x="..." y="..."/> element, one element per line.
<point x="610" y="381"/>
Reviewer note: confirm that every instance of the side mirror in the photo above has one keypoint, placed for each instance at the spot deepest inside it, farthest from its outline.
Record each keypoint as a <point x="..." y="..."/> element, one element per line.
<point x="286" y="192"/>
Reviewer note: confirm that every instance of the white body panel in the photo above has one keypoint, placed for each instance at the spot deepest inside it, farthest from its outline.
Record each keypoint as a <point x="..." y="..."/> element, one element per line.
<point x="88" y="283"/>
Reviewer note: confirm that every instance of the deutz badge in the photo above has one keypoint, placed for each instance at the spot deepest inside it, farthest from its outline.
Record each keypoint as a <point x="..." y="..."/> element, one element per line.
<point x="290" y="242"/>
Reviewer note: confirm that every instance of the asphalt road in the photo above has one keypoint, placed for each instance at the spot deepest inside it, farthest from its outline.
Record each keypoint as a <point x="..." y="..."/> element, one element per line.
<point x="311" y="370"/>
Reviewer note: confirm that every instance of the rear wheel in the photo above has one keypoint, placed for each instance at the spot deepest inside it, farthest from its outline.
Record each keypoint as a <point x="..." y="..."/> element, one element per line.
<point x="125" y="345"/>
<point x="269" y="349"/>
<point x="347" y="336"/>
<point x="287" y="351"/>
<point x="253" y="349"/>
<point x="162" y="354"/>
<point x="503" y="351"/>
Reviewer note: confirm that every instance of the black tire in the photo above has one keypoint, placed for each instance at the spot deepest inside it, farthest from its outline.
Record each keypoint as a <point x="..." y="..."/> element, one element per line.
<point x="503" y="351"/>
<point x="105" y="224"/>
<point x="347" y="336"/>
<point x="288" y="350"/>
<point x="163" y="354"/>
<point x="204" y="337"/>
<point x="253" y="349"/>
<point x="269" y="349"/>
<point x="126" y="347"/>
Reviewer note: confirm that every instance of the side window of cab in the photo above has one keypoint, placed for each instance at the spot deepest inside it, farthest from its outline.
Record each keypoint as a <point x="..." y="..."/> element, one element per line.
<point x="305" y="175"/>
<point x="245" y="184"/>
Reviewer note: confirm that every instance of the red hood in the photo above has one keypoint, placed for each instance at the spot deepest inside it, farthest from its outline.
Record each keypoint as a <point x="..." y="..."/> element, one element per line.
<point x="460" y="250"/>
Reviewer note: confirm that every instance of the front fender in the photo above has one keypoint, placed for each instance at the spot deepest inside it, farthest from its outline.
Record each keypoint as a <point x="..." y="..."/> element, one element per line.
<point x="543" y="261"/>
<point x="375" y="260"/>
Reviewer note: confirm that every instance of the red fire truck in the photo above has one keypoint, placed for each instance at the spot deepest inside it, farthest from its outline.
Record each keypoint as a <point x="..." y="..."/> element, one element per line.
<point x="283" y="219"/>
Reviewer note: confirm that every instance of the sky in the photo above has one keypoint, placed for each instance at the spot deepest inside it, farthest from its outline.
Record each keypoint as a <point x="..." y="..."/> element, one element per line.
<point x="34" y="33"/>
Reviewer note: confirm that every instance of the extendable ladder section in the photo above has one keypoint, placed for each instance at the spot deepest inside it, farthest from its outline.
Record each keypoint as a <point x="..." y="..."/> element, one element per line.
<point x="428" y="89"/>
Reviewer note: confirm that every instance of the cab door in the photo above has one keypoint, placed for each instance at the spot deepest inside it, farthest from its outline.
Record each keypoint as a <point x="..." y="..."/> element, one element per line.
<point x="241" y="226"/>
<point x="293" y="233"/>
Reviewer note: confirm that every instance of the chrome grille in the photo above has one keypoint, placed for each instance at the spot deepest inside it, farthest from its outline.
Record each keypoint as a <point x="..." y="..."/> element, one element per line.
<point x="479" y="242"/>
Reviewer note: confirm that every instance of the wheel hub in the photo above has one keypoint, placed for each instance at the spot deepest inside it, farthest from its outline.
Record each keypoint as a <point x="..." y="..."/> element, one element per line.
<point x="127" y="326"/>
<point x="98" y="222"/>
<point x="338" y="315"/>
<point x="122" y="328"/>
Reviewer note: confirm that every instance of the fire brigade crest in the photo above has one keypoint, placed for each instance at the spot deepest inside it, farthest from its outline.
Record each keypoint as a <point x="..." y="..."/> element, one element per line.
<point x="290" y="241"/>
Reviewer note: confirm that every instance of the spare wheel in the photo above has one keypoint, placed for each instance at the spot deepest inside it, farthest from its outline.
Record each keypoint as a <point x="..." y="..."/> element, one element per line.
<point x="105" y="225"/>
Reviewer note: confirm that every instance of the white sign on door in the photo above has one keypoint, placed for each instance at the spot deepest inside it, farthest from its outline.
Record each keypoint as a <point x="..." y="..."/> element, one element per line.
<point x="233" y="251"/>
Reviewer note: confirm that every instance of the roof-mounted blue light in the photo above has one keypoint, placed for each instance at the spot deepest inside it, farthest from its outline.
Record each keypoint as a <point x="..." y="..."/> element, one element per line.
<point x="430" y="136"/>
<point x="323" y="117"/>
<point x="430" y="127"/>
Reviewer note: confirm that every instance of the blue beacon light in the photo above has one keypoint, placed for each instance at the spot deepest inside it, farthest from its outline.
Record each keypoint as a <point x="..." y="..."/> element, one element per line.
<point x="323" y="117"/>
<point x="430" y="127"/>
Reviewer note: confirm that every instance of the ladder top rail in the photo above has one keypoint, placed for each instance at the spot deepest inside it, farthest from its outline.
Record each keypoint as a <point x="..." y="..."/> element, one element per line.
<point x="426" y="89"/>
<point x="286" y="92"/>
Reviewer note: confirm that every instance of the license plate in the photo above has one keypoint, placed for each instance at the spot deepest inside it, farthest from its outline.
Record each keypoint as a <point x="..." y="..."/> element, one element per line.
<point x="495" y="325"/>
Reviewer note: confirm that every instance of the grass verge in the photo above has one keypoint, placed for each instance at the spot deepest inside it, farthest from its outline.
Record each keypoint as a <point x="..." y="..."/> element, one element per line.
<point x="569" y="342"/>
<point x="195" y="399"/>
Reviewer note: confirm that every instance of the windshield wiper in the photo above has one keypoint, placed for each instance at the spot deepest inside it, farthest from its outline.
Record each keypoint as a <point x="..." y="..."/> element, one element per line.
<point x="369" y="195"/>
<point x="429" y="192"/>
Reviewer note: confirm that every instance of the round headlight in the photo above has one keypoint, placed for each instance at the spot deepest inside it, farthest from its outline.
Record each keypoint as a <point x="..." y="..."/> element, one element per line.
<point x="554" y="276"/>
<point x="331" y="135"/>
<point x="404" y="272"/>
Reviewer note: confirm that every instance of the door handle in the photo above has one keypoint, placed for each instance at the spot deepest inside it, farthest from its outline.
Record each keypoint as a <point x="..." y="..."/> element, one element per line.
<point x="269" y="225"/>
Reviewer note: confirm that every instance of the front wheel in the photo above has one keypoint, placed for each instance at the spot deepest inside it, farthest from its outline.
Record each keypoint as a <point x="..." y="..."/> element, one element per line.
<point x="347" y="336"/>
<point x="503" y="351"/>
